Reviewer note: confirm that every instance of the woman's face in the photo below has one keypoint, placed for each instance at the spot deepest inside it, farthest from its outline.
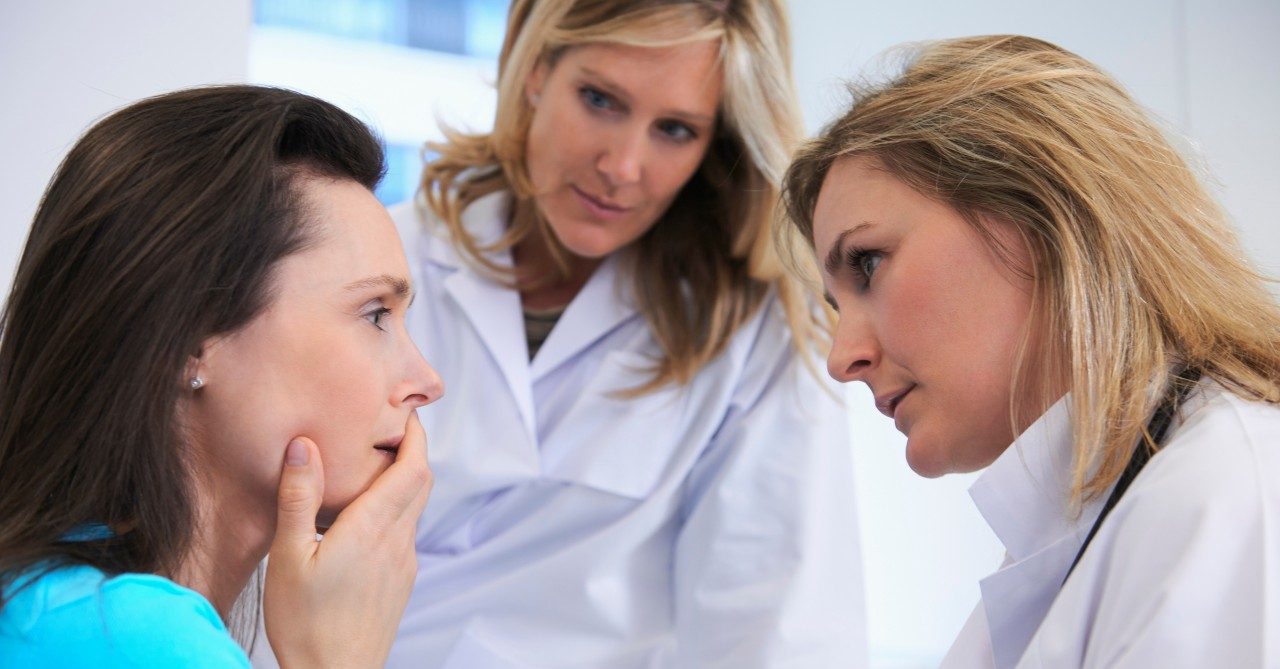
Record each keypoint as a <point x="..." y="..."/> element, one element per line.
<point x="329" y="359"/>
<point x="616" y="132"/>
<point x="930" y="317"/>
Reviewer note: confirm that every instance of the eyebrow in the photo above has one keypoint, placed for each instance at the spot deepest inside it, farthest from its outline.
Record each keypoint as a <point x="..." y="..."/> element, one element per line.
<point x="621" y="92"/>
<point x="832" y="262"/>
<point x="397" y="285"/>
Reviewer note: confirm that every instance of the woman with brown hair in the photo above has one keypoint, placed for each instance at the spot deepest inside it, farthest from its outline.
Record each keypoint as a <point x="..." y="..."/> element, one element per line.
<point x="627" y="478"/>
<point x="210" y="304"/>
<point x="1031" y="280"/>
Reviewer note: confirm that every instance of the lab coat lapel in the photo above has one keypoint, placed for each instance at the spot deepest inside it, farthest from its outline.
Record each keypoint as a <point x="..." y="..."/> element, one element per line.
<point x="1023" y="496"/>
<point x="492" y="308"/>
<point x="603" y="304"/>
<point x="1017" y="598"/>
<point x="494" y="311"/>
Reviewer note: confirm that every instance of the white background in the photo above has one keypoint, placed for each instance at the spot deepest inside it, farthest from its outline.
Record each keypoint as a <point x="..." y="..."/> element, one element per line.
<point x="1210" y="69"/>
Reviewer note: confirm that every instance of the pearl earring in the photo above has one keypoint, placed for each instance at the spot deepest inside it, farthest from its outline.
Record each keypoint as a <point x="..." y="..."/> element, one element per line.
<point x="196" y="383"/>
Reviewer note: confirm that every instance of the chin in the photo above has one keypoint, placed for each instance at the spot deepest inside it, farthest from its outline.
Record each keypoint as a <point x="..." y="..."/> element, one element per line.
<point x="926" y="460"/>
<point x="587" y="243"/>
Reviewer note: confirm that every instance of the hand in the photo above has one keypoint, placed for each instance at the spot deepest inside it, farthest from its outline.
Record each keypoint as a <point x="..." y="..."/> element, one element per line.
<point x="338" y="602"/>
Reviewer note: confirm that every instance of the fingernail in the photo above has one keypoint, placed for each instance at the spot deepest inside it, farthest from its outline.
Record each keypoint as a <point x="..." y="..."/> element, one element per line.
<point x="296" y="455"/>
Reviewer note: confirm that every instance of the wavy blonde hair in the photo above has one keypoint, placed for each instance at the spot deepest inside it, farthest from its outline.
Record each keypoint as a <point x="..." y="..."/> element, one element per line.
<point x="1136" y="270"/>
<point x="709" y="262"/>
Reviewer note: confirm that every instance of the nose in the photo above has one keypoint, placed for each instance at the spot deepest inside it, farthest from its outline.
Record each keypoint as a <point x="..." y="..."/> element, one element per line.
<point x="854" y="349"/>
<point x="420" y="385"/>
<point x="621" y="162"/>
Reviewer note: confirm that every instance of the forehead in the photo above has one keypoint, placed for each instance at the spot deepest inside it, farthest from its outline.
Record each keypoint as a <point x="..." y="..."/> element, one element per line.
<point x="683" y="76"/>
<point x="855" y="190"/>
<point x="353" y="236"/>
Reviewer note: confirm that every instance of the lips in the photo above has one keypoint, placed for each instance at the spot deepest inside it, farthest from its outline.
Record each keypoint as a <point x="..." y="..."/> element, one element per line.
<point x="390" y="446"/>
<point x="888" y="403"/>
<point x="600" y="206"/>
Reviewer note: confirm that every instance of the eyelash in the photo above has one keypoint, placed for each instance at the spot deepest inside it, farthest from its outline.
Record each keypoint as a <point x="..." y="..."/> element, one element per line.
<point x="596" y="99"/>
<point x="678" y="132"/>
<point x="855" y="259"/>
<point x="600" y="101"/>
<point x="375" y="317"/>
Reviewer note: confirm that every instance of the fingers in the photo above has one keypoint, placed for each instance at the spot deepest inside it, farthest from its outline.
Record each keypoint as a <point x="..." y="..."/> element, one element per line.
<point x="300" y="494"/>
<point x="413" y="429"/>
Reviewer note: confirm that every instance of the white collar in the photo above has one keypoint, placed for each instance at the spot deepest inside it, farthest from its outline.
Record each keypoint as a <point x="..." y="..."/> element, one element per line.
<point x="485" y="220"/>
<point x="1024" y="494"/>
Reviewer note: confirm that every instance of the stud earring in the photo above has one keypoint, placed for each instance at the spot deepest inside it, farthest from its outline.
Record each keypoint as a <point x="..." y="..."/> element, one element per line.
<point x="196" y="383"/>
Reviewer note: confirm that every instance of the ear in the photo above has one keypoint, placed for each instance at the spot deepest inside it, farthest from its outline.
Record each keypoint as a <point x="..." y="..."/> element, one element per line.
<point x="194" y="373"/>
<point x="200" y="365"/>
<point x="534" y="83"/>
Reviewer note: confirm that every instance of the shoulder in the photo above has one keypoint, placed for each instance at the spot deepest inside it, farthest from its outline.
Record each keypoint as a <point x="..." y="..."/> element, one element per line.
<point x="80" y="615"/>
<point x="421" y="230"/>
<point x="1222" y="459"/>
<point x="1211" y="494"/>
<point x="412" y="220"/>
<point x="776" y="382"/>
<point x="1192" y="545"/>
<point x="767" y="348"/>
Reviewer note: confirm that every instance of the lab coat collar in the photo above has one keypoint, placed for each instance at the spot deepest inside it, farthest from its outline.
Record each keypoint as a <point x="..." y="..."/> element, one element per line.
<point x="492" y="306"/>
<point x="485" y="219"/>
<point x="603" y="304"/>
<point x="1024" y="497"/>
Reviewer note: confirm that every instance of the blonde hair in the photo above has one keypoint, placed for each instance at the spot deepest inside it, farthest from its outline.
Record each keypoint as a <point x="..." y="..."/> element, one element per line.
<point x="709" y="262"/>
<point x="1136" y="270"/>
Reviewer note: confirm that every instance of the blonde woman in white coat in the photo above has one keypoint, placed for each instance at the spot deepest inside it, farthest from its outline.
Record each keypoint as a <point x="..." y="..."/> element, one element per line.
<point x="635" y="466"/>
<point x="1032" y="281"/>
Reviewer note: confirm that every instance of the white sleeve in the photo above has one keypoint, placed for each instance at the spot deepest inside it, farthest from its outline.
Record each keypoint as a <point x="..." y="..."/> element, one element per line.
<point x="767" y="568"/>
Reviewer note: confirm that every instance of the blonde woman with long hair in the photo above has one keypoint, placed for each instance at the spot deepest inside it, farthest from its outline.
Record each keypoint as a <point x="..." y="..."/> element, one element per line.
<point x="631" y="467"/>
<point x="1031" y="280"/>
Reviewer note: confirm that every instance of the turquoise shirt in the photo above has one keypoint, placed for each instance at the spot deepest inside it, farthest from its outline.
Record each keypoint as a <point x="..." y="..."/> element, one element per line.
<point x="78" y="617"/>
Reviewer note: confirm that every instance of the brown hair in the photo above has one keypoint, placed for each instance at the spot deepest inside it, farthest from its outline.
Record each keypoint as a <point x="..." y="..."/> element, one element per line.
<point x="708" y="264"/>
<point x="1136" y="270"/>
<point x="160" y="229"/>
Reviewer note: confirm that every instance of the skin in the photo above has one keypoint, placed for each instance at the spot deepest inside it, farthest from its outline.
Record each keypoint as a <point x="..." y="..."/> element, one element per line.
<point x="616" y="132"/>
<point x="329" y="358"/>
<point x="940" y="317"/>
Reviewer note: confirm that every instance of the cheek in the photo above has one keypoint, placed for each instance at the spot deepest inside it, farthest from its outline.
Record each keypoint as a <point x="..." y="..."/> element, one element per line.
<point x="559" y="140"/>
<point x="339" y="399"/>
<point x="340" y="406"/>
<point x="956" y="332"/>
<point x="917" y="318"/>
<point x="326" y="387"/>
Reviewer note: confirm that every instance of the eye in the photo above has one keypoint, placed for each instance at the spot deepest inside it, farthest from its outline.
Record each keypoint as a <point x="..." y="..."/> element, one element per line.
<point x="863" y="263"/>
<point x="676" y="131"/>
<point x="595" y="99"/>
<point x="376" y="315"/>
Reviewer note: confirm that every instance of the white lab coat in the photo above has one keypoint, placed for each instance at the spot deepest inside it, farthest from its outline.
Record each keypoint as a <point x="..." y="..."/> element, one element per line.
<point x="711" y="525"/>
<point x="1184" y="572"/>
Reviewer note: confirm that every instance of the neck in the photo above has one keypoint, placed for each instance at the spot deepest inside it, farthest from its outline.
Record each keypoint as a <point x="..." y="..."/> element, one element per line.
<point x="232" y="537"/>
<point x="548" y="279"/>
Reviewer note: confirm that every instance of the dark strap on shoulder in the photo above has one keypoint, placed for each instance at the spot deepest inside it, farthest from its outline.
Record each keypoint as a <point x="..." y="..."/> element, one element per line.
<point x="1183" y="382"/>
